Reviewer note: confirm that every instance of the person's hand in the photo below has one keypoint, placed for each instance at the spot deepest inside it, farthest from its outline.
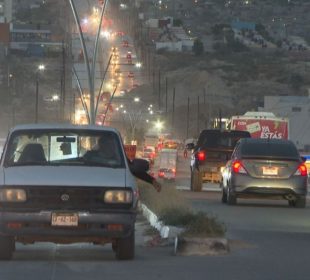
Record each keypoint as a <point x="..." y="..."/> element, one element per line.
<point x="156" y="185"/>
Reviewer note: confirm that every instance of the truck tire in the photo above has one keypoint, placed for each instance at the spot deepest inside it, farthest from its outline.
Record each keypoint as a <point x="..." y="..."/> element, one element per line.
<point x="224" y="193"/>
<point x="7" y="245"/>
<point x="300" y="202"/>
<point x="125" y="248"/>
<point x="196" y="181"/>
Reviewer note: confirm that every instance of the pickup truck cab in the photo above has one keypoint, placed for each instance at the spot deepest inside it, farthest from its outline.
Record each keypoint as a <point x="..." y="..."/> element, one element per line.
<point x="209" y="156"/>
<point x="56" y="187"/>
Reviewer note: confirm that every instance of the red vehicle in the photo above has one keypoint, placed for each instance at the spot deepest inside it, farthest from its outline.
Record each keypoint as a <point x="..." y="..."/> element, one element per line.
<point x="130" y="75"/>
<point x="261" y="125"/>
<point x="128" y="56"/>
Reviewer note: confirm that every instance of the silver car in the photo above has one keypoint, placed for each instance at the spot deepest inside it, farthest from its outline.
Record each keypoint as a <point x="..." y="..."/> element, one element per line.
<point x="266" y="168"/>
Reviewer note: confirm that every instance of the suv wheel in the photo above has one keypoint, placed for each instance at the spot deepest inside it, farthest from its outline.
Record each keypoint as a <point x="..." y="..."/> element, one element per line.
<point x="7" y="245"/>
<point x="231" y="198"/>
<point x="196" y="181"/>
<point x="224" y="194"/>
<point x="125" y="248"/>
<point x="300" y="202"/>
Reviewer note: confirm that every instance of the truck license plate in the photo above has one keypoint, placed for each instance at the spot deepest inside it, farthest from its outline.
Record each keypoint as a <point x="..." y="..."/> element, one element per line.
<point x="65" y="219"/>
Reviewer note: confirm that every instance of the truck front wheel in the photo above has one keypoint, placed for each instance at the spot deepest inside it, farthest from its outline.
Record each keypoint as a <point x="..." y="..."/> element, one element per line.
<point x="7" y="245"/>
<point x="125" y="247"/>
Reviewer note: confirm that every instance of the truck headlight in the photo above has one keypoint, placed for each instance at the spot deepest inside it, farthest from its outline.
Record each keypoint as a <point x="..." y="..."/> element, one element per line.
<point x="12" y="195"/>
<point x="118" y="196"/>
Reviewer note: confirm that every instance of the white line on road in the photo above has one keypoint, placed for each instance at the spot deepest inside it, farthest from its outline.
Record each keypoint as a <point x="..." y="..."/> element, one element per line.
<point x="204" y="188"/>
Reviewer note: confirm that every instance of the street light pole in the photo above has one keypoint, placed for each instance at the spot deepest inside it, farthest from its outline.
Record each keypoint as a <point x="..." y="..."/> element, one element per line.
<point x="37" y="99"/>
<point x="90" y="72"/>
<point x="41" y="67"/>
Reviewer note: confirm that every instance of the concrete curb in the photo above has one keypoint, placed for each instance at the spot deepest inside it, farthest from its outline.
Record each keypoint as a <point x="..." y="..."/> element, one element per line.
<point x="154" y="221"/>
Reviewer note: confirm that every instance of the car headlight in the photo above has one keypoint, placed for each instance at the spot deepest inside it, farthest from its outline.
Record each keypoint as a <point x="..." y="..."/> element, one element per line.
<point x="12" y="195"/>
<point x="118" y="196"/>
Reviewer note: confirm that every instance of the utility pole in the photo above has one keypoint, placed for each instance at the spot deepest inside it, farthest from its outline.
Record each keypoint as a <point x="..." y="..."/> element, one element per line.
<point x="220" y="119"/>
<point x="159" y="97"/>
<point x="198" y="115"/>
<point x="166" y="95"/>
<point x="153" y="74"/>
<point x="173" y="102"/>
<point x="37" y="99"/>
<point x="204" y="96"/>
<point x="187" y="119"/>
<point x="63" y="81"/>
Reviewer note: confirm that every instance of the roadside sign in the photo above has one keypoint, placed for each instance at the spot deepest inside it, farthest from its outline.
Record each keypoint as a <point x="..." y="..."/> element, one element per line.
<point x="130" y="151"/>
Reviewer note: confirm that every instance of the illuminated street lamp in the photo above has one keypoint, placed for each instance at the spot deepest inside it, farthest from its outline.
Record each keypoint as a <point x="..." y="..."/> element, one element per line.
<point x="136" y="99"/>
<point x="159" y="125"/>
<point x="55" y="97"/>
<point x="138" y="64"/>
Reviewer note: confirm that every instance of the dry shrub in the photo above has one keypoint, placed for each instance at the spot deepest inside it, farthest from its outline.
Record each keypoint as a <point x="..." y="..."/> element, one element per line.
<point x="172" y="209"/>
<point x="168" y="198"/>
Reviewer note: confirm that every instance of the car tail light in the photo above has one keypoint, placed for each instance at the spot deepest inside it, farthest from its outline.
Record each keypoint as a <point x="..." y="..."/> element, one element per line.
<point x="161" y="174"/>
<point x="301" y="170"/>
<point x="201" y="156"/>
<point x="114" y="227"/>
<point x="14" y="225"/>
<point x="237" y="167"/>
<point x="173" y="170"/>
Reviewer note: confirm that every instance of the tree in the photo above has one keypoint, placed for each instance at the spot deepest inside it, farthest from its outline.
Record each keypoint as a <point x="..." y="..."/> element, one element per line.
<point x="198" y="48"/>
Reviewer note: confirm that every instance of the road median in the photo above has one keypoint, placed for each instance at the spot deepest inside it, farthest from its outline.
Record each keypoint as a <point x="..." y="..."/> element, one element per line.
<point x="189" y="232"/>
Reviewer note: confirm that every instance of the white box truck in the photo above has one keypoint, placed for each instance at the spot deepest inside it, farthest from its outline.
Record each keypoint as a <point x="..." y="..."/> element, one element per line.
<point x="167" y="164"/>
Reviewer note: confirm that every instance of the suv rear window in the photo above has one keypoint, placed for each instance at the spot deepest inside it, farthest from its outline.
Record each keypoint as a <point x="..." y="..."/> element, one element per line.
<point x="221" y="139"/>
<point x="269" y="149"/>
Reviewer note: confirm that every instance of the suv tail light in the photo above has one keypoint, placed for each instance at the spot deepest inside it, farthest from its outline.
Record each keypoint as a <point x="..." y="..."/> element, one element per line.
<point x="237" y="167"/>
<point x="201" y="156"/>
<point x="301" y="170"/>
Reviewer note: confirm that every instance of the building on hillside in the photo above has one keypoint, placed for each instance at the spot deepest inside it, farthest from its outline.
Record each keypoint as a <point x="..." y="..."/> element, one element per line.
<point x="4" y="38"/>
<point x="6" y="11"/>
<point x="242" y="25"/>
<point x="33" y="40"/>
<point x="169" y="37"/>
<point x="297" y="110"/>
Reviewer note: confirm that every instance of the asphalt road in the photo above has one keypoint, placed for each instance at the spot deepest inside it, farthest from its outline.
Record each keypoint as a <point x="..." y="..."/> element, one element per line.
<point x="268" y="240"/>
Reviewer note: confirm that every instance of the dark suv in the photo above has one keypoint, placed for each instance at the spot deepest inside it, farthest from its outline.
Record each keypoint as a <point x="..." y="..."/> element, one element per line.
<point x="214" y="147"/>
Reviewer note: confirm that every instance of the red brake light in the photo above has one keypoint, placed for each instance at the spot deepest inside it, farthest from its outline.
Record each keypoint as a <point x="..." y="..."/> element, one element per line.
<point x="237" y="167"/>
<point x="302" y="170"/>
<point x="201" y="156"/>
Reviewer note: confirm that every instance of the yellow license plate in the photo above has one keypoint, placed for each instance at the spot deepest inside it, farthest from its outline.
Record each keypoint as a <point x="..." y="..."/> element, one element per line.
<point x="65" y="219"/>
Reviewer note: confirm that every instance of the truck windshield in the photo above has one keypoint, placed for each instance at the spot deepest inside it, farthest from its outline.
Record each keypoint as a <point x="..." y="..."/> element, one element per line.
<point x="64" y="147"/>
<point x="220" y="139"/>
